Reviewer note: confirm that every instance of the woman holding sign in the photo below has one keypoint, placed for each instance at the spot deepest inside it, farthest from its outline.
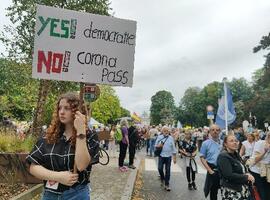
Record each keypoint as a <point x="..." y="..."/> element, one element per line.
<point x="66" y="142"/>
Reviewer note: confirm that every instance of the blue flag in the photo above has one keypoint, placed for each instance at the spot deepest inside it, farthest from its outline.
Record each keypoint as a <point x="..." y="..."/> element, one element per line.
<point x="220" y="118"/>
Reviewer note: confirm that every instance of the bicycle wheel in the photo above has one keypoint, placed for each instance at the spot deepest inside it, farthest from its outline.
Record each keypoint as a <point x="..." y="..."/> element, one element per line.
<point x="103" y="157"/>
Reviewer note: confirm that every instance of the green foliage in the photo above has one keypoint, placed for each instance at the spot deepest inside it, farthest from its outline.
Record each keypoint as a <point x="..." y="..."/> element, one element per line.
<point x="107" y="107"/>
<point x="18" y="90"/>
<point x="259" y="105"/>
<point x="192" y="106"/>
<point x="162" y="107"/>
<point x="124" y="112"/>
<point x="11" y="143"/>
<point x="192" y="109"/>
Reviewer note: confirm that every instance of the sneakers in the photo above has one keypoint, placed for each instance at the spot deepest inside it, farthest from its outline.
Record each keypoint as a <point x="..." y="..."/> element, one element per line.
<point x="190" y="186"/>
<point x="131" y="167"/>
<point x="162" y="183"/>
<point x="194" y="186"/>
<point x="167" y="188"/>
<point x="123" y="169"/>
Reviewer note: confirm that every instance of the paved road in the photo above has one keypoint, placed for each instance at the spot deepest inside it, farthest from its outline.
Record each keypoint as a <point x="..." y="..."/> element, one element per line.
<point x="152" y="190"/>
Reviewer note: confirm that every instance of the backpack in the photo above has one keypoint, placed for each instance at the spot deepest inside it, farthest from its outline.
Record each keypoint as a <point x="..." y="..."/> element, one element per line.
<point x="118" y="134"/>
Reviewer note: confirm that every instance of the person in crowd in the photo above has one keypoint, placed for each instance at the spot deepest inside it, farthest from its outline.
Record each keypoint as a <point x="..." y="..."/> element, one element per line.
<point x="199" y="138"/>
<point x="247" y="147"/>
<point x="175" y="134"/>
<point x="256" y="135"/>
<point x="205" y="133"/>
<point x="240" y="136"/>
<point x="153" y="132"/>
<point x="167" y="154"/>
<point x="133" y="138"/>
<point x="147" y="139"/>
<point x="208" y="154"/>
<point x="124" y="143"/>
<point x="260" y="168"/>
<point x="63" y="157"/>
<point x="112" y="145"/>
<point x="181" y="138"/>
<point x="188" y="149"/>
<point x="234" y="175"/>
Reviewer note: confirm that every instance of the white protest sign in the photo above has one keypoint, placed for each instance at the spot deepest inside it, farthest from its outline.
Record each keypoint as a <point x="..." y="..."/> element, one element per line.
<point x="83" y="47"/>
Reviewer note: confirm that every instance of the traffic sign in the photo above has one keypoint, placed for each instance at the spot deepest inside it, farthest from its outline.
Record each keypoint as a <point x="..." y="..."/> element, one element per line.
<point x="91" y="92"/>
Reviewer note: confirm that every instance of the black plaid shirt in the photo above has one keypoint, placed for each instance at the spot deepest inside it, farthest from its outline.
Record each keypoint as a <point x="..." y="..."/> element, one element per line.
<point x="60" y="157"/>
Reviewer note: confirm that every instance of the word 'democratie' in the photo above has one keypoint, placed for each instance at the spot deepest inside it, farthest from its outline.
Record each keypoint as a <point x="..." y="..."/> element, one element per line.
<point x="83" y="47"/>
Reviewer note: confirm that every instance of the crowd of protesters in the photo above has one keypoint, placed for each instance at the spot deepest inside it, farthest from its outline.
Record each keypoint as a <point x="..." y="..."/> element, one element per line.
<point x="235" y="162"/>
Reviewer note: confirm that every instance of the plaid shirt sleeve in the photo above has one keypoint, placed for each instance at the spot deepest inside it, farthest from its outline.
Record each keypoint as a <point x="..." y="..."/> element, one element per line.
<point x="93" y="147"/>
<point x="36" y="155"/>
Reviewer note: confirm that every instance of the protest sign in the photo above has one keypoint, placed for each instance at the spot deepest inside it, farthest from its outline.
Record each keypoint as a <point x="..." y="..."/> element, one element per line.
<point x="83" y="47"/>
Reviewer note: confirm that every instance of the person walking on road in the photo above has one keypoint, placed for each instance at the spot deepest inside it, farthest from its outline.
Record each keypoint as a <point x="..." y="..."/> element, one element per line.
<point x="112" y="145"/>
<point x="153" y="132"/>
<point x="208" y="154"/>
<point x="133" y="138"/>
<point x="188" y="148"/>
<point x="168" y="152"/>
<point x="234" y="175"/>
<point x="124" y="143"/>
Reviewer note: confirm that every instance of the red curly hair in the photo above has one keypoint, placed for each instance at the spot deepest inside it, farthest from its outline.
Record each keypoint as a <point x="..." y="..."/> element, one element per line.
<point x="56" y="128"/>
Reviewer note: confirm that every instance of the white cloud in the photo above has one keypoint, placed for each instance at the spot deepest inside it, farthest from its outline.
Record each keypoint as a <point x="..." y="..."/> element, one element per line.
<point x="189" y="43"/>
<point x="183" y="43"/>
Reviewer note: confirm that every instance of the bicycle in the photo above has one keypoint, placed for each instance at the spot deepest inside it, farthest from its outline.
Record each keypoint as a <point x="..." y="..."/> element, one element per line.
<point x="104" y="158"/>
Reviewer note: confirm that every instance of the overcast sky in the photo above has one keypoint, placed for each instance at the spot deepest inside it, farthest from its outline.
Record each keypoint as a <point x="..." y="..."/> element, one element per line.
<point x="184" y="43"/>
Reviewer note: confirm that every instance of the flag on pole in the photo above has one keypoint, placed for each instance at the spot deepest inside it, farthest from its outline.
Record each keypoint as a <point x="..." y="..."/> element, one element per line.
<point x="231" y="114"/>
<point x="136" y="117"/>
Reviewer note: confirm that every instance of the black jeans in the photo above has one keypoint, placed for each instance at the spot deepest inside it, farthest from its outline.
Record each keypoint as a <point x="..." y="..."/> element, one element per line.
<point x="122" y="154"/>
<point x="132" y="151"/>
<point x="259" y="183"/>
<point x="212" y="182"/>
<point x="147" y="145"/>
<point x="189" y="172"/>
<point x="167" y="162"/>
<point x="215" y="186"/>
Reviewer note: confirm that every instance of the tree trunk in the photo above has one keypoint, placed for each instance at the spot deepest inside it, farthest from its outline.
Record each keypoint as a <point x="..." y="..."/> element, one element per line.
<point x="44" y="88"/>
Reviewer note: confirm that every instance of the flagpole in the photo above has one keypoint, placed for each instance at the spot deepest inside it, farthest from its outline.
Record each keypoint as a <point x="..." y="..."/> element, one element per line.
<point x="226" y="104"/>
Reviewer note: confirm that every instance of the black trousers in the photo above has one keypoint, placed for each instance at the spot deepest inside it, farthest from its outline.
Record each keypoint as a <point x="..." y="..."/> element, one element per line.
<point x="212" y="183"/>
<point x="189" y="172"/>
<point x="122" y="154"/>
<point x="215" y="186"/>
<point x="261" y="186"/>
<point x="132" y="151"/>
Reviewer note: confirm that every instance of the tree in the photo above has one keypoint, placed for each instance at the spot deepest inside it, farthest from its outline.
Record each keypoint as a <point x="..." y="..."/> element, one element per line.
<point x="259" y="105"/>
<point x="107" y="107"/>
<point x="161" y="100"/>
<point x="241" y="89"/>
<point x="18" y="90"/>
<point x="124" y="112"/>
<point x="19" y="39"/>
<point x="192" y="107"/>
<point x="167" y="116"/>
